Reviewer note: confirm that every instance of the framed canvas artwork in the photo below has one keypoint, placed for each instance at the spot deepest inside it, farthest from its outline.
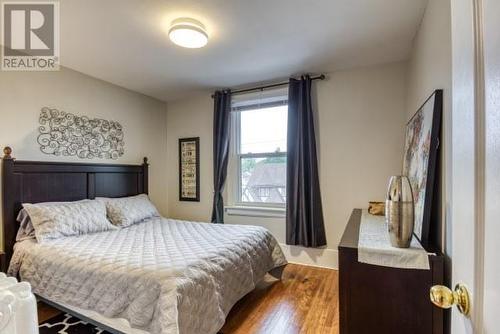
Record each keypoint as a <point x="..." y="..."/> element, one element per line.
<point x="420" y="159"/>
<point x="189" y="169"/>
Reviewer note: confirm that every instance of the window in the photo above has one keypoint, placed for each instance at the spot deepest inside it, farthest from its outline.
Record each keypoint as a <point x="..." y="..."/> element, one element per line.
<point x="260" y="151"/>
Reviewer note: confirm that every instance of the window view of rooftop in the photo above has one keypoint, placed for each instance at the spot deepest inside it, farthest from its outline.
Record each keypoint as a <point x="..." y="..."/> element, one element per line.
<point x="262" y="158"/>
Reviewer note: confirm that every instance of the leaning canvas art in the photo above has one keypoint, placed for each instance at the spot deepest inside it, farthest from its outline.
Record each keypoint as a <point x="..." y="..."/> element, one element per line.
<point x="419" y="164"/>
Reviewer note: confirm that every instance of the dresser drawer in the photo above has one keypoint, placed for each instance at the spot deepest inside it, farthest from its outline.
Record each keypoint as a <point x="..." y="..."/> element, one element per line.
<point x="376" y="299"/>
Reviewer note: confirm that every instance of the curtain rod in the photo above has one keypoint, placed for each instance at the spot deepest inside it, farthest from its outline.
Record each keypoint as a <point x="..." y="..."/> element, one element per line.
<point x="284" y="83"/>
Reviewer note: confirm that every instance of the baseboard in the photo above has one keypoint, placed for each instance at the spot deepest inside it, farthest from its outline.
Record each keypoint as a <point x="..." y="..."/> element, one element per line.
<point x="317" y="257"/>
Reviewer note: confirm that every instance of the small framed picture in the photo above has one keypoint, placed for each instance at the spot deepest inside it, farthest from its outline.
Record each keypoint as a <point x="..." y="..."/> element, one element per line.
<point x="189" y="169"/>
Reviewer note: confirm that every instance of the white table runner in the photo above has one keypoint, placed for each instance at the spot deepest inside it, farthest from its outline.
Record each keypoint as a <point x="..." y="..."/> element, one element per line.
<point x="374" y="246"/>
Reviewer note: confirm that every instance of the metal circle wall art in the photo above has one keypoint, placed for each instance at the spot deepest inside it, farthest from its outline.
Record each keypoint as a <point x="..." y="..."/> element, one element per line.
<point x="65" y="134"/>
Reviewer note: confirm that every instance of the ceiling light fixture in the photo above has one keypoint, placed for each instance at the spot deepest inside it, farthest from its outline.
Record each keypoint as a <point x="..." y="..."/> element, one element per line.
<point x="188" y="33"/>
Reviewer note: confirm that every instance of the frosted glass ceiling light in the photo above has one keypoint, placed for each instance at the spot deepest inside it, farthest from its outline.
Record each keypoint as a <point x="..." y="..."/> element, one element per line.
<point x="188" y="33"/>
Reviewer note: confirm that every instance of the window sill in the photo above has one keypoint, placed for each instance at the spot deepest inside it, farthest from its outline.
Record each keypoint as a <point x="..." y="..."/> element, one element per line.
<point x="255" y="211"/>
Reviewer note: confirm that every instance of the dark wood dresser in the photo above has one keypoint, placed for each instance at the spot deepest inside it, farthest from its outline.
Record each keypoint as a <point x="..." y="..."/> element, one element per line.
<point x="376" y="299"/>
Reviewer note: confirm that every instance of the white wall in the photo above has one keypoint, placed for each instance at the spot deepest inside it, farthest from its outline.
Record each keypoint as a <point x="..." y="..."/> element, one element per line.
<point x="429" y="68"/>
<point x="191" y="117"/>
<point x="23" y="94"/>
<point x="361" y="117"/>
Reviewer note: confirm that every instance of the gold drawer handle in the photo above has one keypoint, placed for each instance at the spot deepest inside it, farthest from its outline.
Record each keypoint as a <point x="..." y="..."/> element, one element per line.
<point x="443" y="297"/>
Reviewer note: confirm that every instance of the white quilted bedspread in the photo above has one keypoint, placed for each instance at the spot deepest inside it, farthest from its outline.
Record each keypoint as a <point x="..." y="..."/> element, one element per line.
<point x="162" y="275"/>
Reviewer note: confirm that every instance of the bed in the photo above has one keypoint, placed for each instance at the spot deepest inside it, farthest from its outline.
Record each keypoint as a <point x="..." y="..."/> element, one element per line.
<point x="158" y="276"/>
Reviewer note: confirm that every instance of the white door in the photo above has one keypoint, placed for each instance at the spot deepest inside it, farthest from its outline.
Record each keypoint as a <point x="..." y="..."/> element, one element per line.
<point x="474" y="198"/>
<point x="491" y="36"/>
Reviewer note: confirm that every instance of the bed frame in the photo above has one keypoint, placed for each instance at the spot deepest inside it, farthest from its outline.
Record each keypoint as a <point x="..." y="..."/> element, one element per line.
<point x="41" y="181"/>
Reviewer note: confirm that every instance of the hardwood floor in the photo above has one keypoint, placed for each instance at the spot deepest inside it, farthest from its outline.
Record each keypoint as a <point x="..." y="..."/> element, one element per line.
<point x="45" y="312"/>
<point x="304" y="301"/>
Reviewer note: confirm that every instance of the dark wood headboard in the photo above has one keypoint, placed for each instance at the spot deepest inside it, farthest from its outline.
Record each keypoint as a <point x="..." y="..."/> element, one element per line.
<point x="40" y="181"/>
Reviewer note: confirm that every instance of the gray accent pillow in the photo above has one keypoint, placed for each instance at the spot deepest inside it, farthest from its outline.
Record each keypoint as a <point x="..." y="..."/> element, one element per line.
<point x="26" y="229"/>
<point x="127" y="211"/>
<point x="67" y="219"/>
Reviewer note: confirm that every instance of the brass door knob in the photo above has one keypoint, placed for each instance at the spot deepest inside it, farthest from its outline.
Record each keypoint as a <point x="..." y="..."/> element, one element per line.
<point x="443" y="297"/>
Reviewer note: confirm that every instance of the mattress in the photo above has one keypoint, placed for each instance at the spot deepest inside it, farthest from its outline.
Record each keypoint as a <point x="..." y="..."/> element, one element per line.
<point x="161" y="275"/>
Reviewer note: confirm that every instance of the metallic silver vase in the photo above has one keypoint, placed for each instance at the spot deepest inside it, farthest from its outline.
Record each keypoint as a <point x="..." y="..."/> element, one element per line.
<point x="399" y="211"/>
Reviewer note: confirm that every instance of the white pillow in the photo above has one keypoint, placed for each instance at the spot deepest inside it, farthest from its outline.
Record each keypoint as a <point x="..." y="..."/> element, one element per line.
<point x="26" y="229"/>
<point x="126" y="211"/>
<point x="67" y="219"/>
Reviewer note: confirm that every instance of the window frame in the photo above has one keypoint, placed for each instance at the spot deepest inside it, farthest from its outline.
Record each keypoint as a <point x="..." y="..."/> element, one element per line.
<point x="238" y="156"/>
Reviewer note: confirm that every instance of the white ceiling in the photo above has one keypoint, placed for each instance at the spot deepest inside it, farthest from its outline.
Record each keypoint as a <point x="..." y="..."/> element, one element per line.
<point x="125" y="41"/>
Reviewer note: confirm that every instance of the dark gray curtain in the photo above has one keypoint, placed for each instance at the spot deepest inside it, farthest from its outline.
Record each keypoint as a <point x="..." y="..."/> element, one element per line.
<point x="222" y="111"/>
<point x="304" y="213"/>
